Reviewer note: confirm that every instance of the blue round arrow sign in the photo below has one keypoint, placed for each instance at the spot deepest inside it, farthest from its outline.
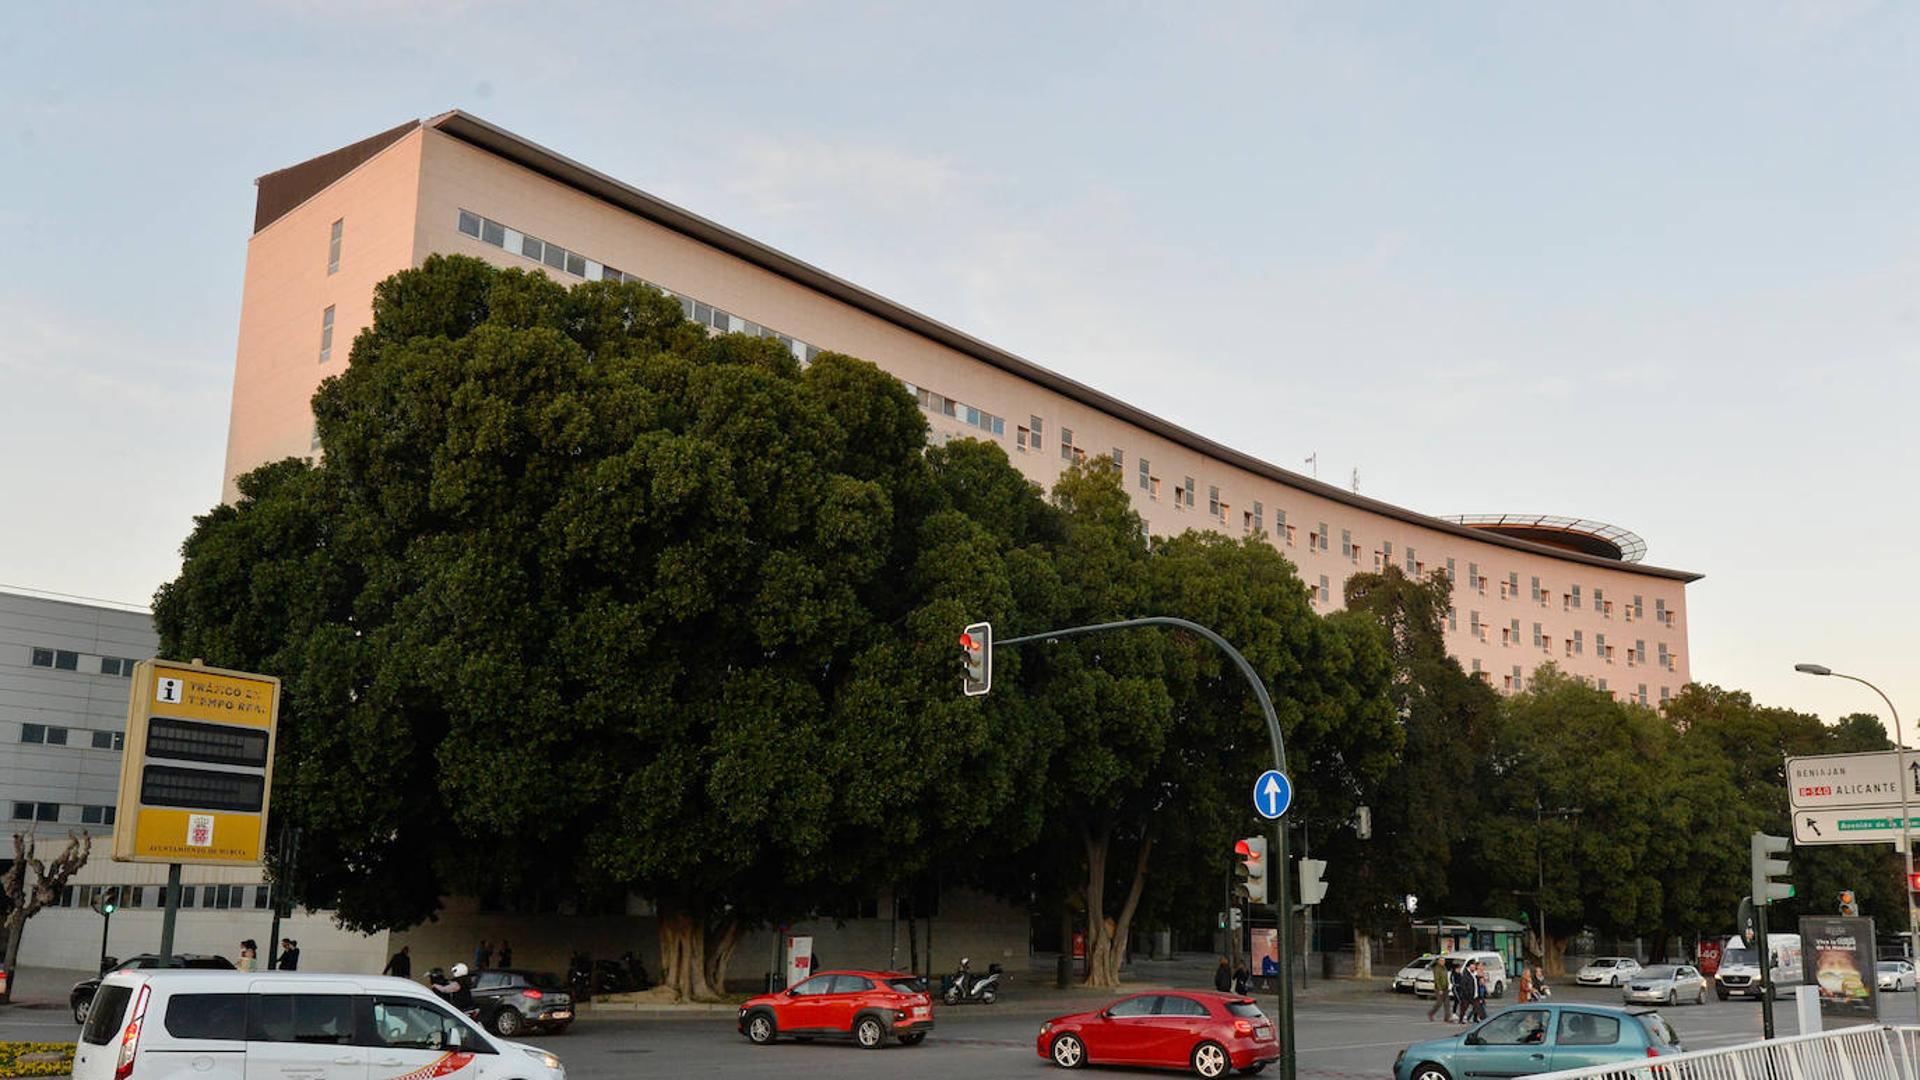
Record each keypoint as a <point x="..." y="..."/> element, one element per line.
<point x="1272" y="794"/>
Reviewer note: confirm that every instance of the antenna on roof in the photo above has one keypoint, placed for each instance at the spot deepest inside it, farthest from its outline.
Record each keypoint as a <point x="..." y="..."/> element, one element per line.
<point x="1313" y="461"/>
<point x="1356" y="481"/>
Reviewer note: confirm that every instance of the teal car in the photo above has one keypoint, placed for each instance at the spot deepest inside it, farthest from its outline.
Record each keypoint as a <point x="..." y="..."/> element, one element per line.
<point x="1539" y="1038"/>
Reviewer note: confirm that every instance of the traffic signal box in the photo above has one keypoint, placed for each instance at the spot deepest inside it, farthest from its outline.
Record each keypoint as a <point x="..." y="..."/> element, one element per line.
<point x="198" y="766"/>
<point x="1250" y="870"/>
<point x="1766" y="868"/>
<point x="976" y="659"/>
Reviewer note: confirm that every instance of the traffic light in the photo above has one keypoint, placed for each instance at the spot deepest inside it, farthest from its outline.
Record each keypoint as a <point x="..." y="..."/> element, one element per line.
<point x="106" y="900"/>
<point x="1913" y="882"/>
<point x="976" y="658"/>
<point x="1250" y="870"/>
<point x="1766" y="868"/>
<point x="1847" y="904"/>
<point x="1313" y="888"/>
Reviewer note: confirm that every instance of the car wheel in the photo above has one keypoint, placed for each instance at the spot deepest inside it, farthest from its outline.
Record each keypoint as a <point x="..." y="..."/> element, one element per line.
<point x="1210" y="1059"/>
<point x="1499" y="989"/>
<point x="1673" y="998"/>
<point x="869" y="1032"/>
<point x="506" y="1022"/>
<point x="80" y="1011"/>
<point x="913" y="1038"/>
<point x="1430" y="1071"/>
<point x="1720" y="992"/>
<point x="1068" y="1051"/>
<point x="760" y="1029"/>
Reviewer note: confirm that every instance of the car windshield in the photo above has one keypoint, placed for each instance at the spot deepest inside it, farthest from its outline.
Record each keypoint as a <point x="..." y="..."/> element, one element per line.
<point x="1605" y="961"/>
<point x="1657" y="971"/>
<point x="1737" y="956"/>
<point x="1246" y="1010"/>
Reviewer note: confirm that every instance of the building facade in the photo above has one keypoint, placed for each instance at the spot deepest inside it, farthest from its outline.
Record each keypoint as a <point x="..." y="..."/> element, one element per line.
<point x="1526" y="589"/>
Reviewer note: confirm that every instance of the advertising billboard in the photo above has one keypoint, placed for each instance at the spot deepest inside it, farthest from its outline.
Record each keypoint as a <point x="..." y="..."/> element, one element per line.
<point x="1838" y="954"/>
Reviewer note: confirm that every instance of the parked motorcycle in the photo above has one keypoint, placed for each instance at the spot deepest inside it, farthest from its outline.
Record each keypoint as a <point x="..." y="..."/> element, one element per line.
<point x="968" y="987"/>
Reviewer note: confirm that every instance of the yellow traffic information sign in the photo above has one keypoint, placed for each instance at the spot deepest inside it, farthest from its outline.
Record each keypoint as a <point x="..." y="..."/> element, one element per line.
<point x="198" y="766"/>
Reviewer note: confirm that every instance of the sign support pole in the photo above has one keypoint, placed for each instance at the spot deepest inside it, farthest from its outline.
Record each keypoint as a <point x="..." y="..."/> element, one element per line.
<point x="1284" y="901"/>
<point x="172" y="912"/>
<point x="1765" y="951"/>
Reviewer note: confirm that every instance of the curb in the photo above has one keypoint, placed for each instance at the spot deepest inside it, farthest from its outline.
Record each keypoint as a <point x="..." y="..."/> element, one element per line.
<point x="638" y="1011"/>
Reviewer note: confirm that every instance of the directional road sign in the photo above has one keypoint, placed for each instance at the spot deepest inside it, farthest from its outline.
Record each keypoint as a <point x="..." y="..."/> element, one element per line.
<point x="1841" y="781"/>
<point x="1272" y="794"/>
<point x="1874" y="825"/>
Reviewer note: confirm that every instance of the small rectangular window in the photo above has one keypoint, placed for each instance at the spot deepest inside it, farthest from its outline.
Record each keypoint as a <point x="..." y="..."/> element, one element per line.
<point x="23" y="811"/>
<point x="554" y="256"/>
<point x="1119" y="459"/>
<point x="532" y="247"/>
<point x="109" y="665"/>
<point x="1146" y="474"/>
<point x="470" y="223"/>
<point x="1576" y="597"/>
<point x="1021" y="437"/>
<point x="1516" y="679"/>
<point x="1412" y="566"/>
<point x="1453" y="618"/>
<point x="66" y="661"/>
<point x="103" y="740"/>
<point x="1323" y="589"/>
<point x="56" y="736"/>
<point x="1213" y="500"/>
<point x="1186" y="493"/>
<point x="90" y="815"/>
<point x="43" y="658"/>
<point x="33" y="733"/>
<point x="492" y="232"/>
<point x="1576" y="643"/>
<point x="1450" y="578"/>
<point x="1537" y="637"/>
<point x="1035" y="425"/>
<point x="326" y="334"/>
<point x="215" y="1017"/>
<point x="46" y="811"/>
<point x="576" y="265"/>
<point x="1323" y="536"/>
<point x="1346" y="542"/>
<point x="1259" y="518"/>
<point x="333" y="245"/>
<point x="1066" y="444"/>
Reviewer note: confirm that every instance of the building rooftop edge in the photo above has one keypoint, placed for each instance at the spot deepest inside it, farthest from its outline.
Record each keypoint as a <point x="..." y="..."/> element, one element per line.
<point x="28" y="592"/>
<point x="502" y="143"/>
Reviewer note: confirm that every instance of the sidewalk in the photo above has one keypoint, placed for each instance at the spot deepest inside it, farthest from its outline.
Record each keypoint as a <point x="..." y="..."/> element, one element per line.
<point x="45" y="988"/>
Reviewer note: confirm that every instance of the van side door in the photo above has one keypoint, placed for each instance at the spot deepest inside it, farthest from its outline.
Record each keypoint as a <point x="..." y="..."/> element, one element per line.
<point x="305" y="1034"/>
<point x="408" y="1036"/>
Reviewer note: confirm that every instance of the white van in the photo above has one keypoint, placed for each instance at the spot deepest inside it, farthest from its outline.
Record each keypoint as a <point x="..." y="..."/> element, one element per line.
<point x="242" y="1025"/>
<point x="1494" y="964"/>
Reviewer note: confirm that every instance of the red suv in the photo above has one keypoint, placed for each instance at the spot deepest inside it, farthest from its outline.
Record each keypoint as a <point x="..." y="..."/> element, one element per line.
<point x="1208" y="1033"/>
<point x="867" y="1006"/>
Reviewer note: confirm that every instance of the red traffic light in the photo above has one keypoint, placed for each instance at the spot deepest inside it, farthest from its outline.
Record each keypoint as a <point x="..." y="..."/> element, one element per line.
<point x="1241" y="849"/>
<point x="1913" y="882"/>
<point x="966" y="642"/>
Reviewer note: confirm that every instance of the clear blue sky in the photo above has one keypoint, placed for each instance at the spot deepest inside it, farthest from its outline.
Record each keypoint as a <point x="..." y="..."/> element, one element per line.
<point x="1656" y="264"/>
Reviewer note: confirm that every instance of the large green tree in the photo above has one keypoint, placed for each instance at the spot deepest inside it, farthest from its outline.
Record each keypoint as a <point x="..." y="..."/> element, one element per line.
<point x="583" y="602"/>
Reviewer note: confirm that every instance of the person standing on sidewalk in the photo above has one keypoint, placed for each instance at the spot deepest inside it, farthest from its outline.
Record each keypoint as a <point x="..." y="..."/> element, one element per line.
<point x="1223" y="976"/>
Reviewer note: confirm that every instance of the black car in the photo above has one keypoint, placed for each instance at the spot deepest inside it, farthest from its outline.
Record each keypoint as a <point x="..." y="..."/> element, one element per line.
<point x="513" y="1000"/>
<point x="81" y="997"/>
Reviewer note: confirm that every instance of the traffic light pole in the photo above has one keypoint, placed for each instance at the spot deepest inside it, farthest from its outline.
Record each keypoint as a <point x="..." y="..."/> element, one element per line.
<point x="172" y="913"/>
<point x="1765" y="953"/>
<point x="1284" y="899"/>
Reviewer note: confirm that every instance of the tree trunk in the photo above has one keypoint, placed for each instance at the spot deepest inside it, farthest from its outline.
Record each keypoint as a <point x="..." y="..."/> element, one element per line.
<point x="720" y="953"/>
<point x="1107" y="944"/>
<point x="1555" y="962"/>
<point x="683" y="958"/>
<point x="16" y="926"/>
<point x="1362" y="954"/>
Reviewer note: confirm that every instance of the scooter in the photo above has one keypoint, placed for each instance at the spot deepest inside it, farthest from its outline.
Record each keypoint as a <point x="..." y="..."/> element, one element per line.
<point x="966" y="986"/>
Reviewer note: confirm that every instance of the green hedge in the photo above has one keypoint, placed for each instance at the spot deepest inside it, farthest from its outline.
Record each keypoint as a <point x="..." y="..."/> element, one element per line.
<point x="35" y="1059"/>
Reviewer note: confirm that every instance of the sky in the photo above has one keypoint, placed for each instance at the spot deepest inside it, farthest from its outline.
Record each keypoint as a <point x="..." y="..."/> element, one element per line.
<point x="1656" y="264"/>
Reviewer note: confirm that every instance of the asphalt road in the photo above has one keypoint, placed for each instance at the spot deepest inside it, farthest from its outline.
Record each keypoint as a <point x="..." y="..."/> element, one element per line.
<point x="1343" y="1035"/>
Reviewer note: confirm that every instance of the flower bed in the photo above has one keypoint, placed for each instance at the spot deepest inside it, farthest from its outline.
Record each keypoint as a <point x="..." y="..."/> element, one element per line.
<point x="35" y="1059"/>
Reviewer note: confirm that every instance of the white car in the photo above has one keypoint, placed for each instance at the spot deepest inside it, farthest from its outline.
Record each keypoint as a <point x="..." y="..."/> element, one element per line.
<point x="1894" y="975"/>
<point x="231" y="1025"/>
<point x="1417" y="976"/>
<point x="1607" y="971"/>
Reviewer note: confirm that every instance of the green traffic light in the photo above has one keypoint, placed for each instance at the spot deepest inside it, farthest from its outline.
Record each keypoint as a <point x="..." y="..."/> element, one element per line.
<point x="107" y="909"/>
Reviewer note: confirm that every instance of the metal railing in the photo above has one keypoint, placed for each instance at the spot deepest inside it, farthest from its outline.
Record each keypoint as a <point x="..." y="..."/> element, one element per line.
<point x="1854" y="1053"/>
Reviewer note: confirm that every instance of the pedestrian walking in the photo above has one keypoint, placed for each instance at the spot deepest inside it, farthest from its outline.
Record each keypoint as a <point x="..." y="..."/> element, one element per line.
<point x="1223" y="976"/>
<point x="1479" y="991"/>
<point x="1442" y="989"/>
<point x="249" y="956"/>
<point x="506" y="954"/>
<point x="1457" y="992"/>
<point x="1463" y="992"/>
<point x="482" y="955"/>
<point x="1525" y="990"/>
<point x="400" y="966"/>
<point x="289" y="955"/>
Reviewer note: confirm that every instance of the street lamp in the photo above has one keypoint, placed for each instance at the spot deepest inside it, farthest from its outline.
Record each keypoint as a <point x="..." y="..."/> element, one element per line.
<point x="1906" y="824"/>
<point x="1540" y="812"/>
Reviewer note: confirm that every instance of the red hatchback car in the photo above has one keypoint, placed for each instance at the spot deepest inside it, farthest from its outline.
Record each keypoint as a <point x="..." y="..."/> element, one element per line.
<point x="1209" y="1033"/>
<point x="869" y="1007"/>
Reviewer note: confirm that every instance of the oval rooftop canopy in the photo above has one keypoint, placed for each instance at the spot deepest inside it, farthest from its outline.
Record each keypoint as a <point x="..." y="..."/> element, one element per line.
<point x="1596" y="538"/>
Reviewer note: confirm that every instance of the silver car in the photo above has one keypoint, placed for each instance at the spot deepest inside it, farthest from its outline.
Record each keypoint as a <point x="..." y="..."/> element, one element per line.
<point x="1665" y="984"/>
<point x="1894" y="974"/>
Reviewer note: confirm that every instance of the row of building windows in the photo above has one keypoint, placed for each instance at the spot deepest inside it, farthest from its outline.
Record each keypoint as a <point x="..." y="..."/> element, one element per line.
<point x="68" y="660"/>
<point x="221" y="897"/>
<point x="1514" y="683"/>
<point x="52" y="811"/>
<point x="53" y="735"/>
<point x="1031" y="436"/>
<point x="1573" y="644"/>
